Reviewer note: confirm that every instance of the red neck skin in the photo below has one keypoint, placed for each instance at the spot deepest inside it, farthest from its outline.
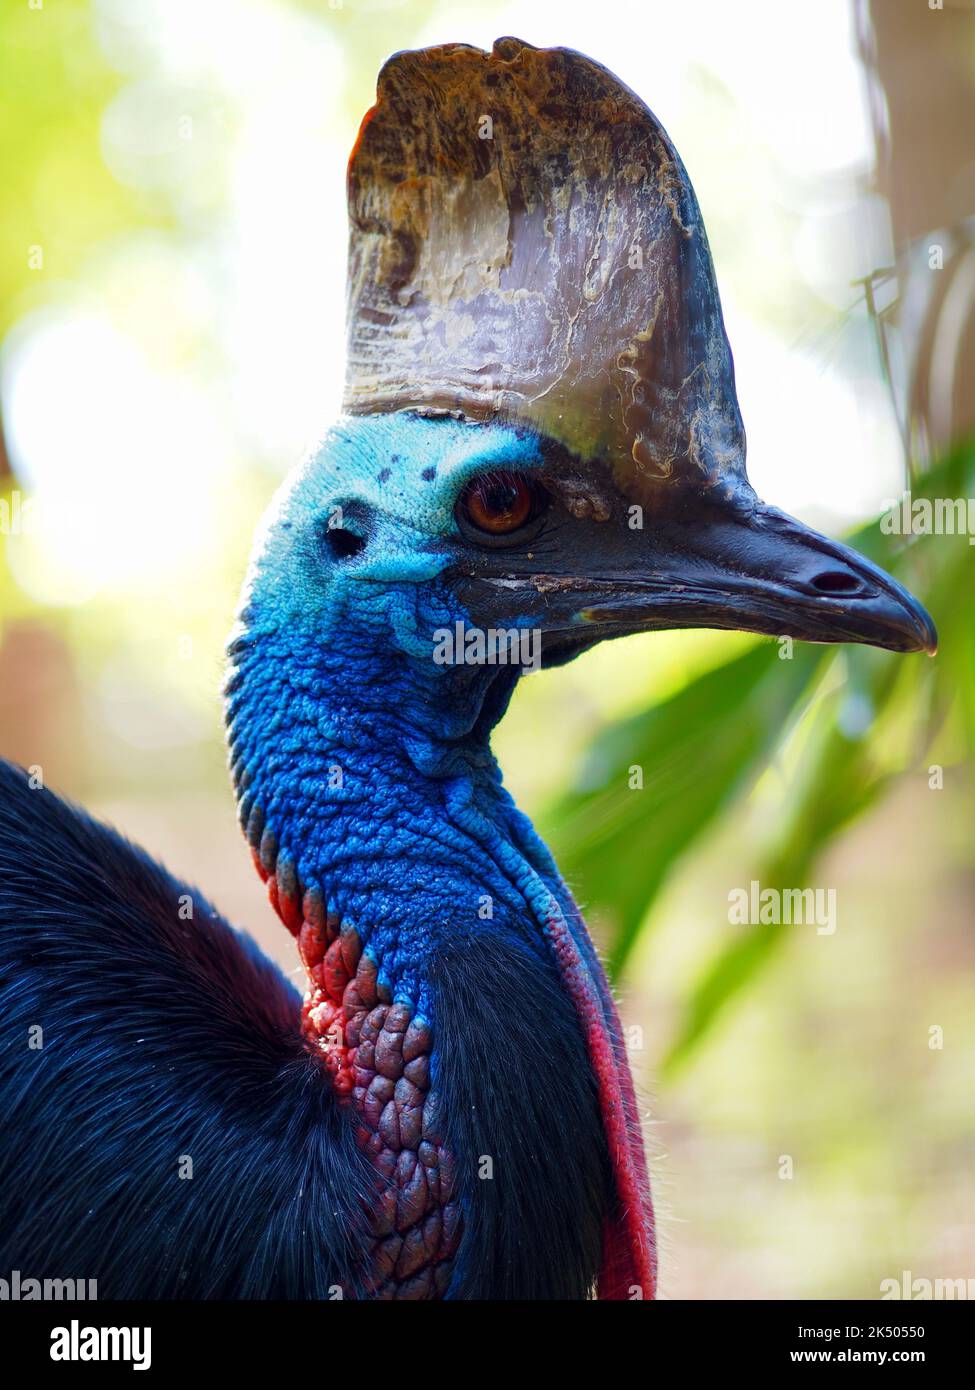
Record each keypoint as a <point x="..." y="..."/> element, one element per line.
<point x="379" y="1062"/>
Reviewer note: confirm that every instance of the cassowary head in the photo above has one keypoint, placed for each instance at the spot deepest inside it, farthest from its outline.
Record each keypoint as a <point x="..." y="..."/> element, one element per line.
<point x="543" y="440"/>
<point x="541" y="444"/>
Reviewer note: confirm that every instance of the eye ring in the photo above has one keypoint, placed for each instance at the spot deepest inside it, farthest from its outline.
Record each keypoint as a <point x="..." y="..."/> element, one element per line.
<point x="499" y="507"/>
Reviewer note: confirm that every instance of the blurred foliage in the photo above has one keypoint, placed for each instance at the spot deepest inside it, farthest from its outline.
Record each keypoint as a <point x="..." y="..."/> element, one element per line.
<point x="706" y="746"/>
<point x="58" y="192"/>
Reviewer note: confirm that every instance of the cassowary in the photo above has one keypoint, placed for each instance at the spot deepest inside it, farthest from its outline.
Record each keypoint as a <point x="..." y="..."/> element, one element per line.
<point x="541" y="448"/>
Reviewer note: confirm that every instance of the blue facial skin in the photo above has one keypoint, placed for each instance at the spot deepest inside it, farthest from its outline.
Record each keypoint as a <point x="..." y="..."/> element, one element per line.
<point x="367" y="762"/>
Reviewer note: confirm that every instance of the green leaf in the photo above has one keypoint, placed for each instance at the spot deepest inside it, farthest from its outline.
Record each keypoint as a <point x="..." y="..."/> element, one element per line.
<point x="696" y="751"/>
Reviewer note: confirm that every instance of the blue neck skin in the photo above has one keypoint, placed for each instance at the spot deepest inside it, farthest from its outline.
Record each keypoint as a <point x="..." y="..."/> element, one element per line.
<point x="377" y="784"/>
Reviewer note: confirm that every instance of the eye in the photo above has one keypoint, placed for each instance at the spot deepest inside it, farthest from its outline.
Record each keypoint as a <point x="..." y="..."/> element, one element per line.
<point x="499" y="503"/>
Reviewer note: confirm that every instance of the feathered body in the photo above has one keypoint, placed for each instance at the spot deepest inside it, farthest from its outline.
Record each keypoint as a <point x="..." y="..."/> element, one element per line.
<point x="167" y="1039"/>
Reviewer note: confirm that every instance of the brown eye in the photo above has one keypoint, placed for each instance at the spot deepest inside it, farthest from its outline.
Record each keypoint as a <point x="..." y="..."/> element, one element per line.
<point x="498" y="503"/>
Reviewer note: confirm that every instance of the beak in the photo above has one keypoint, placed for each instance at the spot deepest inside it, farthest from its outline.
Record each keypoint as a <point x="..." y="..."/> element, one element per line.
<point x="765" y="572"/>
<point x="746" y="567"/>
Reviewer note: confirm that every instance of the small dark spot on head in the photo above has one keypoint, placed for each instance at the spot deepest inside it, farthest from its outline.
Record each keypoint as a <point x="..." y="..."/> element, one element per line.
<point x="383" y="477"/>
<point x="394" y="458"/>
<point x="429" y="474"/>
<point x="286" y="525"/>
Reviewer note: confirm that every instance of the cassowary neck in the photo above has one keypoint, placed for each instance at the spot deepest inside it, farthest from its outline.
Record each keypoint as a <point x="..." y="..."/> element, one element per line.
<point x="375" y="790"/>
<point x="433" y="927"/>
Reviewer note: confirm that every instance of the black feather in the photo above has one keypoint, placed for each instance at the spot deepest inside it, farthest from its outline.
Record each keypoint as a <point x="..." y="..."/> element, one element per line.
<point x="512" y="1060"/>
<point x="162" y="1037"/>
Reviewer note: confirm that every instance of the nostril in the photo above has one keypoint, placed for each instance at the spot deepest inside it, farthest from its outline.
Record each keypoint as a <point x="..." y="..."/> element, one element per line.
<point x="837" y="582"/>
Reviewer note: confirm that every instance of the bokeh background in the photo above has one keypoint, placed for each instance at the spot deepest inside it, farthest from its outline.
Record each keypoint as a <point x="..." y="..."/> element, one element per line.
<point x="171" y="309"/>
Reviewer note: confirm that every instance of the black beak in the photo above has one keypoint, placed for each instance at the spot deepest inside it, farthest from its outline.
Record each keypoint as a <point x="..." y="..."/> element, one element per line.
<point x="763" y="572"/>
<point x="745" y="567"/>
